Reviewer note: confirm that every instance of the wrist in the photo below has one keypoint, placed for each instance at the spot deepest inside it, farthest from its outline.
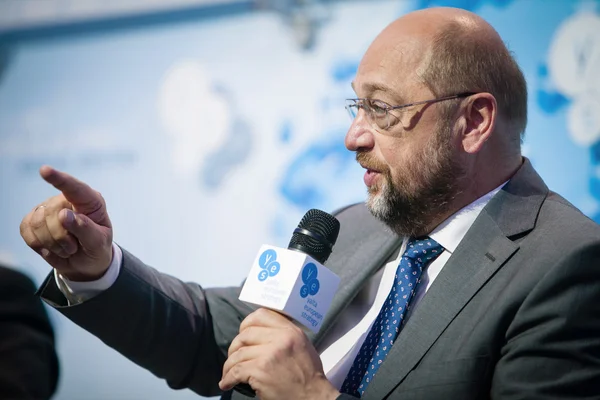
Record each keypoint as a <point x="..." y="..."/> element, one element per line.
<point x="90" y="274"/>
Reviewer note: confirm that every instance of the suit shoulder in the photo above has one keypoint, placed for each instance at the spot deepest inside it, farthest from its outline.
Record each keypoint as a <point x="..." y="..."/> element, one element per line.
<point x="357" y="224"/>
<point x="357" y="216"/>
<point x="560" y="215"/>
<point x="562" y="230"/>
<point x="353" y="212"/>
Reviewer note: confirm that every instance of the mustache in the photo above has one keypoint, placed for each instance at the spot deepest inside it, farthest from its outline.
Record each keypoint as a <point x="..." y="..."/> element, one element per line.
<point x="367" y="161"/>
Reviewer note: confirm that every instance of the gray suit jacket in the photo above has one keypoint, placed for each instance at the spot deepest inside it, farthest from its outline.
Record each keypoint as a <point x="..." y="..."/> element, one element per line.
<point x="515" y="312"/>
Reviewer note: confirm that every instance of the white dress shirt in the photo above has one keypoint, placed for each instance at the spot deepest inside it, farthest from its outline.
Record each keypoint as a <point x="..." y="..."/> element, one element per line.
<point x="353" y="325"/>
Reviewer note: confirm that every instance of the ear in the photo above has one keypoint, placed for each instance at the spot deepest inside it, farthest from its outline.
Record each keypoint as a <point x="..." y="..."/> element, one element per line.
<point x="480" y="116"/>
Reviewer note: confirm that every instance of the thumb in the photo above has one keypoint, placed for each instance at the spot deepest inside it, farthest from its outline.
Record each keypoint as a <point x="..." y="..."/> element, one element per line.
<point x="94" y="238"/>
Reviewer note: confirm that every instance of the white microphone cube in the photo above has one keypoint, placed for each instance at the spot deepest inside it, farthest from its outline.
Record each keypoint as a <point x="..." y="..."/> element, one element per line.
<point x="292" y="283"/>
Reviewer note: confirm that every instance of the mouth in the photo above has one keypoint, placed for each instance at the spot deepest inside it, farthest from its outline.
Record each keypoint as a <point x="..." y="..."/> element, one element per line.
<point x="371" y="175"/>
<point x="370" y="170"/>
<point x="373" y="168"/>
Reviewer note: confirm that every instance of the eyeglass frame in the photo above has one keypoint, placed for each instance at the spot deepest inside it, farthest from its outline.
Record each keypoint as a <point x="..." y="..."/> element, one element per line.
<point x="359" y="103"/>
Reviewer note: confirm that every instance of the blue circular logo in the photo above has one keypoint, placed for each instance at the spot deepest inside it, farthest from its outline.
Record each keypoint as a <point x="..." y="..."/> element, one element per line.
<point x="314" y="287"/>
<point x="311" y="283"/>
<point x="263" y="275"/>
<point x="304" y="291"/>
<point x="266" y="258"/>
<point x="309" y="273"/>
<point x="273" y="268"/>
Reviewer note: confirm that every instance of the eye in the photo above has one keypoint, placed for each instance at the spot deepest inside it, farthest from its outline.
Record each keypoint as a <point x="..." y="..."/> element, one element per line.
<point x="379" y="108"/>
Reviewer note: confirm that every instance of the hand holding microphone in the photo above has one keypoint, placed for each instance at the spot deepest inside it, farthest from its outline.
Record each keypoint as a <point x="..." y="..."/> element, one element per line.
<point x="276" y="358"/>
<point x="272" y="353"/>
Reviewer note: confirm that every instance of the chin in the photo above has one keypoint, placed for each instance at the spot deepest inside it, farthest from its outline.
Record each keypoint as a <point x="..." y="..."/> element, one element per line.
<point x="377" y="204"/>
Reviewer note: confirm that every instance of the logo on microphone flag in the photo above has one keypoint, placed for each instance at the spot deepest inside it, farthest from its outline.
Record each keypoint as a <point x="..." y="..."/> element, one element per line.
<point x="270" y="267"/>
<point x="311" y="283"/>
<point x="292" y="283"/>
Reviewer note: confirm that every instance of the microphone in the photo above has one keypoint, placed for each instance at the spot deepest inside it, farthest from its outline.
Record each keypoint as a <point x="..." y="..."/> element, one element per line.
<point x="293" y="281"/>
<point x="315" y="235"/>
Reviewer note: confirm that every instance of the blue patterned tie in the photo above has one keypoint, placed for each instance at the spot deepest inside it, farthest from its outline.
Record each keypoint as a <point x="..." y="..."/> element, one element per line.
<point x="388" y="323"/>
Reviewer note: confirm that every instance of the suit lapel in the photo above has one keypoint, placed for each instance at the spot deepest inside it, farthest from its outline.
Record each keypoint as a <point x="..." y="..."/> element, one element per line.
<point x="484" y="249"/>
<point x="462" y="276"/>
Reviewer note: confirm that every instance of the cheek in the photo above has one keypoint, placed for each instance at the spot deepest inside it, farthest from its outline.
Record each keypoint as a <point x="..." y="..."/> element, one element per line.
<point x="398" y="157"/>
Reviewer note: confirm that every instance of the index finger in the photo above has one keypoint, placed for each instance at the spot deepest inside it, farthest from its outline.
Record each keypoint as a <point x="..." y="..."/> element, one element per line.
<point x="256" y="335"/>
<point x="266" y="318"/>
<point x="84" y="198"/>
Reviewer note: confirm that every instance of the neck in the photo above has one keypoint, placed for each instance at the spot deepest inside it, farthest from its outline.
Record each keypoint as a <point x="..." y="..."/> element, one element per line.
<point x="477" y="182"/>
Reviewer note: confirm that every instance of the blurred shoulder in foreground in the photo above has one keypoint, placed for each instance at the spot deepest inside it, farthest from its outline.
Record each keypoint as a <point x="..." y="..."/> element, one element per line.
<point x="28" y="360"/>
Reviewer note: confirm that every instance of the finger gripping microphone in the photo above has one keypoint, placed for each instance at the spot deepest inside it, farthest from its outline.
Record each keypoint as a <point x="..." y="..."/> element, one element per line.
<point x="293" y="281"/>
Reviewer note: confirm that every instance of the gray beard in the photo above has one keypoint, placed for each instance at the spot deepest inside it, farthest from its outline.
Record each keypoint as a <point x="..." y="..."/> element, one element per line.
<point x="425" y="192"/>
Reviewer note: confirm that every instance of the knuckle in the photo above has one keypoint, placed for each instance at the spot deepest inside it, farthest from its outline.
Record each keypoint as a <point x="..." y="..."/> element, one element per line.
<point x="246" y="334"/>
<point x="236" y="371"/>
<point x="234" y="346"/>
<point x="248" y="321"/>
<point x="239" y="342"/>
<point x="264" y="364"/>
<point x="256" y="316"/>
<point x="261" y="312"/>
<point x="296" y="331"/>
<point x="287" y="342"/>
<point x="241" y="352"/>
<point x="24" y="228"/>
<point x="34" y="243"/>
<point x="62" y="201"/>
<point x="54" y="204"/>
<point x="37" y="222"/>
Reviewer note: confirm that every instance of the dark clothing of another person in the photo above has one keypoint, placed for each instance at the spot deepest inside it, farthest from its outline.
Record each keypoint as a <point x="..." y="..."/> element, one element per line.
<point x="28" y="361"/>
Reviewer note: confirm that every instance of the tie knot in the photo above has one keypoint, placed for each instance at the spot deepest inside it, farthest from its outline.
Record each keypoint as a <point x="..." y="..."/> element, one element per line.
<point x="423" y="250"/>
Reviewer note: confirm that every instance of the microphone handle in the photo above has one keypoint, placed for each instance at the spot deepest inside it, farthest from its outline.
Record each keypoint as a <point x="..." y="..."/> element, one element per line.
<point x="245" y="389"/>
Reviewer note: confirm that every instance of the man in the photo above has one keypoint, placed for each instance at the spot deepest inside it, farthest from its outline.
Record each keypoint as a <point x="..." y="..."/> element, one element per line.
<point x="28" y="362"/>
<point x="473" y="281"/>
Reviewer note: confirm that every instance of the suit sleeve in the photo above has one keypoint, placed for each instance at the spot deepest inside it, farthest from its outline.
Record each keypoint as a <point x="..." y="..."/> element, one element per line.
<point x="28" y="361"/>
<point x="552" y="348"/>
<point x="161" y="323"/>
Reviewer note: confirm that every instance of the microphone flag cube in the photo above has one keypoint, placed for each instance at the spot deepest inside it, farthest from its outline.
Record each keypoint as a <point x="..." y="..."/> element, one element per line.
<point x="292" y="283"/>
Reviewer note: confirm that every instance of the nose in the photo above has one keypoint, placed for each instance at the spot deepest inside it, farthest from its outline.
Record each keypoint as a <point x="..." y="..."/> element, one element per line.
<point x="360" y="134"/>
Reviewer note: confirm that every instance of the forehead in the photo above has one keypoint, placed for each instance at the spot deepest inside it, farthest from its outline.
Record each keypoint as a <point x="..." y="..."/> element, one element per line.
<point x="391" y="66"/>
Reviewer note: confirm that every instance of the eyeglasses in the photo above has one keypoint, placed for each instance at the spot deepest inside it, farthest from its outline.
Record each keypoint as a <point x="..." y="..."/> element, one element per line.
<point x="378" y="112"/>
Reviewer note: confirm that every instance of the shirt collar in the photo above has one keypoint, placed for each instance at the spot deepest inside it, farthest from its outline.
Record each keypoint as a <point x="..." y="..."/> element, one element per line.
<point x="452" y="231"/>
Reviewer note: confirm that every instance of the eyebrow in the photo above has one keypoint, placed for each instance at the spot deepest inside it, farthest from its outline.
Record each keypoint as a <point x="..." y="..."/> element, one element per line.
<point x="370" y="88"/>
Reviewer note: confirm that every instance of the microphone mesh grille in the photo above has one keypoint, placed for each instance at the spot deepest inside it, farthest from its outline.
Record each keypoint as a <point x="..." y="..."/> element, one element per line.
<point x="319" y="223"/>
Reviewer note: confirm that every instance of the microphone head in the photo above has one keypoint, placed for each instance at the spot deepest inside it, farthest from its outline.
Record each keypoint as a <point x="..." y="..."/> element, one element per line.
<point x="316" y="234"/>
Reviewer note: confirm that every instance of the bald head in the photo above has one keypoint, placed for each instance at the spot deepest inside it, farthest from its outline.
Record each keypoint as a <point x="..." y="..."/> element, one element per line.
<point x="452" y="51"/>
<point x="431" y="21"/>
